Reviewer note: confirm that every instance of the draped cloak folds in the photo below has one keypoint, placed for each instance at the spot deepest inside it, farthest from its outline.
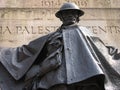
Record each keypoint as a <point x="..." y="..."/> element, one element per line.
<point x="84" y="57"/>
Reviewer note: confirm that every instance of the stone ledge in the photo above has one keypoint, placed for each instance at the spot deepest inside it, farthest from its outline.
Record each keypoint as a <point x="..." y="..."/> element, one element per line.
<point x="49" y="14"/>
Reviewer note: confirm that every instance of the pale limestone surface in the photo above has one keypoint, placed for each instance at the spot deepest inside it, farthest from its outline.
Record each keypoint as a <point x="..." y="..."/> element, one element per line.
<point x="24" y="20"/>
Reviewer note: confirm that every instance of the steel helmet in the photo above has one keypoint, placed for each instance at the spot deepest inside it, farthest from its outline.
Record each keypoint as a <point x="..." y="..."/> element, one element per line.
<point x="69" y="6"/>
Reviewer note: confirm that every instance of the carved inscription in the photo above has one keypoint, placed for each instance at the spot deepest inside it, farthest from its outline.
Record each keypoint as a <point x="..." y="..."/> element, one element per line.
<point x="57" y="3"/>
<point x="104" y="29"/>
<point x="42" y="3"/>
<point x="17" y="30"/>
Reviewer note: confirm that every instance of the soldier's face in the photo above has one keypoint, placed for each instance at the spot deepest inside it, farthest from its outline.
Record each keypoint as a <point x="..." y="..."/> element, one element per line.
<point x="69" y="17"/>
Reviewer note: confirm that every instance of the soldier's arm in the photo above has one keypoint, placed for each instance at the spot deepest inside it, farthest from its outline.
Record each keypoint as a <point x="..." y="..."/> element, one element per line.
<point x="50" y="63"/>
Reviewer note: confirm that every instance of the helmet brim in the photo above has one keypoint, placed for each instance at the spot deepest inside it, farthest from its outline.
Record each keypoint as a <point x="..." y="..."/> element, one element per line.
<point x="80" y="12"/>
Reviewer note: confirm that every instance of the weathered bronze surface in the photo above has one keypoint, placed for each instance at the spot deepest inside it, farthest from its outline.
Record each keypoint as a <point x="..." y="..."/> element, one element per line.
<point x="71" y="58"/>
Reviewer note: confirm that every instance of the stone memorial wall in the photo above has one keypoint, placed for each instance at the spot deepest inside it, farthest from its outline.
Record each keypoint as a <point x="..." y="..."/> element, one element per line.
<point x="24" y="20"/>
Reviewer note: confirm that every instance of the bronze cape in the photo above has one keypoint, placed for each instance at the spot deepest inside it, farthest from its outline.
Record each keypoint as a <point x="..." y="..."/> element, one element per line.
<point x="84" y="57"/>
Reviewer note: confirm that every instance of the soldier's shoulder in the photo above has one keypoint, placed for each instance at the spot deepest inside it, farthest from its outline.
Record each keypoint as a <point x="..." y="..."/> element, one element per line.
<point x="86" y="31"/>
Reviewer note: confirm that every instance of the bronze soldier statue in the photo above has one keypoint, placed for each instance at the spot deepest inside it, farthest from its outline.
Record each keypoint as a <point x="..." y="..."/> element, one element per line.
<point x="67" y="59"/>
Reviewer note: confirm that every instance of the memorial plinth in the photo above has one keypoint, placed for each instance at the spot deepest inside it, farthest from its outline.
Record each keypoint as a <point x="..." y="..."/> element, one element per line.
<point x="22" y="21"/>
